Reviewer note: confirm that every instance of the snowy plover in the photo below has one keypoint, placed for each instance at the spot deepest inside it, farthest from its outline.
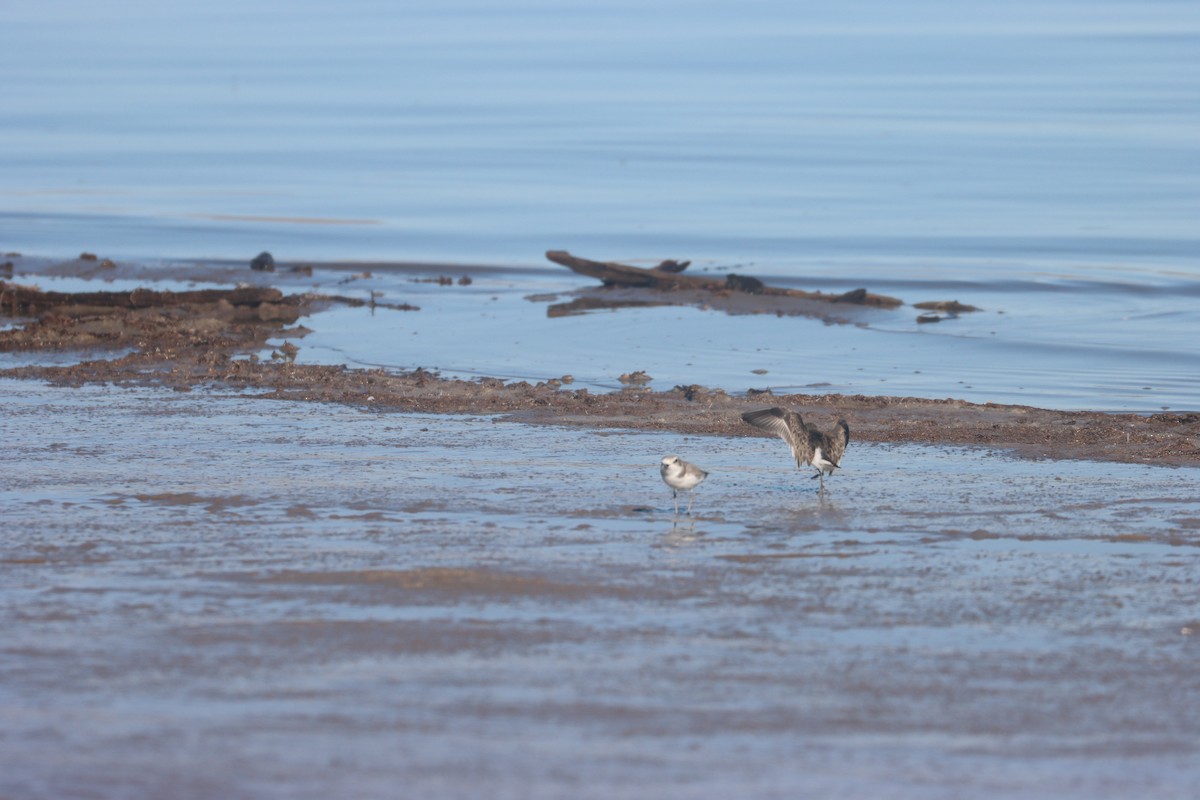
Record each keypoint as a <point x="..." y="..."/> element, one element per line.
<point x="679" y="474"/>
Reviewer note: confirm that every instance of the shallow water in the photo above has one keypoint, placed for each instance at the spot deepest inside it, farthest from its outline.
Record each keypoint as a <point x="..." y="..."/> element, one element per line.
<point x="229" y="597"/>
<point x="1020" y="349"/>
<point x="209" y="597"/>
<point x="1034" y="159"/>
<point x="768" y="131"/>
<point x="498" y="326"/>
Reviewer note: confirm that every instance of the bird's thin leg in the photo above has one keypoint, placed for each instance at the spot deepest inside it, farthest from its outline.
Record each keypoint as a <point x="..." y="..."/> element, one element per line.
<point x="691" y="495"/>
<point x="675" y="494"/>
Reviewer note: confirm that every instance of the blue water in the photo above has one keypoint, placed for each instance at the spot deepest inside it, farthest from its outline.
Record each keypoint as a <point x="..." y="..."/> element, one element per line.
<point x="210" y="597"/>
<point x="477" y="130"/>
<point x="1040" y="158"/>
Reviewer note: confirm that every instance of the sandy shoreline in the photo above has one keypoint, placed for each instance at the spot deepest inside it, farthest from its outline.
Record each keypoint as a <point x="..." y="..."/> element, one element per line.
<point x="210" y="341"/>
<point x="443" y="601"/>
<point x="1161" y="439"/>
<point x="394" y="577"/>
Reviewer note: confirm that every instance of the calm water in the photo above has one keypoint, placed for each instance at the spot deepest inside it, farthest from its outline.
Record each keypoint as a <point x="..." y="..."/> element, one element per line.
<point x="1036" y="159"/>
<point x="250" y="598"/>
<point x="1058" y="134"/>
<point x="245" y="598"/>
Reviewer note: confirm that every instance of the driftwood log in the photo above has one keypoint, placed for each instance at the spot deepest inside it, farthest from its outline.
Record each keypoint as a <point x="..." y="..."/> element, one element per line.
<point x="610" y="273"/>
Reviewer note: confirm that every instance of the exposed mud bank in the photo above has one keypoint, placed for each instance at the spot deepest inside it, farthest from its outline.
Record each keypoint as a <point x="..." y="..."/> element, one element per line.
<point x="183" y="343"/>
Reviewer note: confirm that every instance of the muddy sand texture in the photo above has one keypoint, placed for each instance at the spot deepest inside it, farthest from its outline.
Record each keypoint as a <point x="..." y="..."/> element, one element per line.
<point x="185" y="339"/>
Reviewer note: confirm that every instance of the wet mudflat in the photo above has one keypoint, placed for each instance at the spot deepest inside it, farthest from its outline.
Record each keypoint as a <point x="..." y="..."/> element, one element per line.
<point x="240" y="338"/>
<point x="221" y="596"/>
<point x="371" y="594"/>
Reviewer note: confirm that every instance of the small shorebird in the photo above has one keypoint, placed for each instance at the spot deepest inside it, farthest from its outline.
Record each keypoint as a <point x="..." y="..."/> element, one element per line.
<point x="811" y="447"/>
<point x="679" y="474"/>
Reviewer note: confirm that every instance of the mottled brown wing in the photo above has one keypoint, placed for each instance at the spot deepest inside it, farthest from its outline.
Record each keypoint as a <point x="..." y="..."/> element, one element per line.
<point x="818" y="440"/>
<point x="787" y="425"/>
<point x="838" y="441"/>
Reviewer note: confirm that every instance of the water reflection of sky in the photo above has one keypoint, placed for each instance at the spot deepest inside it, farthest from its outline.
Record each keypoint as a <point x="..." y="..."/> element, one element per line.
<point x="770" y="131"/>
<point x="404" y="592"/>
<point x="1033" y="159"/>
<point x="1021" y="349"/>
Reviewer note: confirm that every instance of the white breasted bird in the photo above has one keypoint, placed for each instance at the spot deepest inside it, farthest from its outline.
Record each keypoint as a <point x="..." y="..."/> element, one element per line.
<point x="679" y="474"/>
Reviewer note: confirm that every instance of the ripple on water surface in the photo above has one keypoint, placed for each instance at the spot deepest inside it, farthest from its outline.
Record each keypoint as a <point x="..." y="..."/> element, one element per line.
<point x="401" y="592"/>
